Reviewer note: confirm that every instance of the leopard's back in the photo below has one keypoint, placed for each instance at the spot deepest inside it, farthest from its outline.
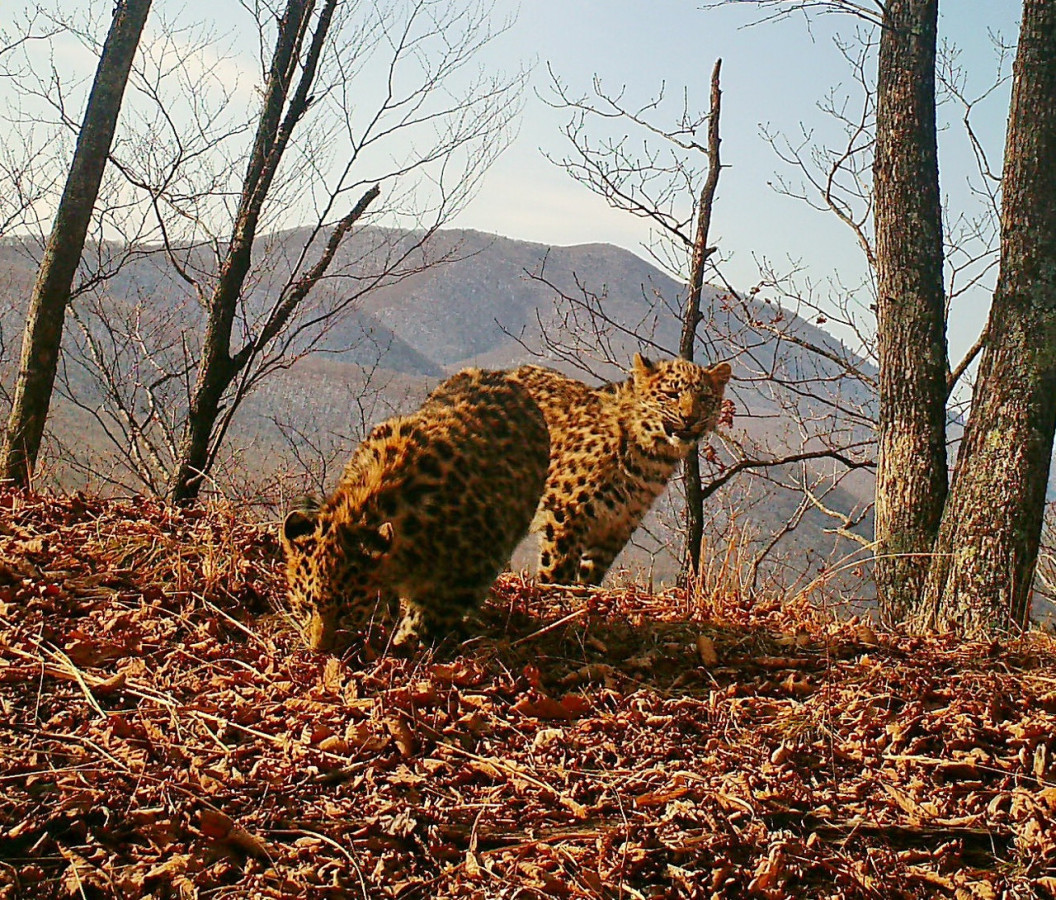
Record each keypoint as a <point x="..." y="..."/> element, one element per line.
<point x="429" y="510"/>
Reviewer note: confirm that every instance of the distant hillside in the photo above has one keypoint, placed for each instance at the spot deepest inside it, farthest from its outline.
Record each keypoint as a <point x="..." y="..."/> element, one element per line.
<point x="479" y="306"/>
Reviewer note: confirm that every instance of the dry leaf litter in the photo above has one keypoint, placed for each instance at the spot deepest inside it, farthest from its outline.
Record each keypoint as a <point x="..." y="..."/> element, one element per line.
<point x="164" y="734"/>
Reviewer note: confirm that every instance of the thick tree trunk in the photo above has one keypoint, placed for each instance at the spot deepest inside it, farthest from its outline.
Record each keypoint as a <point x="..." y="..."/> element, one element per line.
<point x="981" y="575"/>
<point x="911" y="478"/>
<point x="690" y="321"/>
<point x="51" y="293"/>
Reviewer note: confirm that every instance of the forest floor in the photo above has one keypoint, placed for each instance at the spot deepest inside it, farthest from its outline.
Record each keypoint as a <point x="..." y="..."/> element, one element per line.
<point x="164" y="734"/>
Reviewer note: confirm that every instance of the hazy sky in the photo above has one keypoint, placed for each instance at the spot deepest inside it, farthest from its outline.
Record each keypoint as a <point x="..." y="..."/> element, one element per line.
<point x="774" y="74"/>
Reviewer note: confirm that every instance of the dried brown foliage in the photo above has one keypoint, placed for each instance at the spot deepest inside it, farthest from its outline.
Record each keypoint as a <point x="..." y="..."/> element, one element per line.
<point x="163" y="734"/>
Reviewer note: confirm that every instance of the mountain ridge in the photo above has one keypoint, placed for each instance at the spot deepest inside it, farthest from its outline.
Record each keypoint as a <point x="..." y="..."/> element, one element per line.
<point x="496" y="302"/>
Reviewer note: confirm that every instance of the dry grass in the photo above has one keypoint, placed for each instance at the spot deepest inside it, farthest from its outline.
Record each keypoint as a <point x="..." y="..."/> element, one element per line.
<point x="164" y="734"/>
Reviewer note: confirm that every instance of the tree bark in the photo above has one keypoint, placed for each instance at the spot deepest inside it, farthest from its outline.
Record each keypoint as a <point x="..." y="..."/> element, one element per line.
<point x="218" y="366"/>
<point x="690" y="321"/>
<point x="42" y="337"/>
<point x="980" y="577"/>
<point x="911" y="479"/>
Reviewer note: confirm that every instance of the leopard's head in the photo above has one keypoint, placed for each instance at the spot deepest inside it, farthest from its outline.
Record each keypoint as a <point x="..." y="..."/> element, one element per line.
<point x="679" y="401"/>
<point x="330" y="569"/>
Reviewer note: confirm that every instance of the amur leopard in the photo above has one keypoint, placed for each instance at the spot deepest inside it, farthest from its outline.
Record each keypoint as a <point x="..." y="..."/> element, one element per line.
<point x="612" y="451"/>
<point x="428" y="511"/>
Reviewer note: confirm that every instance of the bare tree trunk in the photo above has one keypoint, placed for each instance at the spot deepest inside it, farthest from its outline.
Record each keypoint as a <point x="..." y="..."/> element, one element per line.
<point x="219" y="366"/>
<point x="911" y="478"/>
<point x="981" y="575"/>
<point x="424" y="47"/>
<point x="691" y="319"/>
<point x="51" y="293"/>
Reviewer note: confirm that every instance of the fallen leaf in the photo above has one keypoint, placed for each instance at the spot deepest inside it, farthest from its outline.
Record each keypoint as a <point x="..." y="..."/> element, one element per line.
<point x="659" y="798"/>
<point x="706" y="651"/>
<point x="866" y="635"/>
<point x="569" y="707"/>
<point x="215" y="824"/>
<point x="402" y="735"/>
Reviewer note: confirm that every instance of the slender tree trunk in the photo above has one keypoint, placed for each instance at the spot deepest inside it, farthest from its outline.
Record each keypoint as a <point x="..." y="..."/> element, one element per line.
<point x="981" y="575"/>
<point x="51" y="293"/>
<point x="215" y="374"/>
<point x="217" y="368"/>
<point x="691" y="319"/>
<point x="284" y="105"/>
<point x="911" y="478"/>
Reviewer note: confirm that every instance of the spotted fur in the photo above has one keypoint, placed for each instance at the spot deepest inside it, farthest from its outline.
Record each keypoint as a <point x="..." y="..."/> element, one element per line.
<point x="612" y="451"/>
<point x="428" y="511"/>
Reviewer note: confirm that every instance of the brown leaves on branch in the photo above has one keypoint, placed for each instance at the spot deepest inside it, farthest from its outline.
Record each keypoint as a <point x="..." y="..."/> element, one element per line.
<point x="164" y="734"/>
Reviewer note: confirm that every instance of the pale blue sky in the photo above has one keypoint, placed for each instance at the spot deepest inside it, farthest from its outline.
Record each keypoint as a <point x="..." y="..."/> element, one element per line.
<point x="774" y="74"/>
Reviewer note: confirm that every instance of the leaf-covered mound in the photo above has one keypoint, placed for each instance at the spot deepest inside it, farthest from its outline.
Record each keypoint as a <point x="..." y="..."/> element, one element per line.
<point x="165" y="734"/>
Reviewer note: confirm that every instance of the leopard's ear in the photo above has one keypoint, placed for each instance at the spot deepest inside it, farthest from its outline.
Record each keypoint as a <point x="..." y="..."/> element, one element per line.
<point x="297" y="525"/>
<point x="642" y="365"/>
<point x="720" y="374"/>
<point x="307" y="504"/>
